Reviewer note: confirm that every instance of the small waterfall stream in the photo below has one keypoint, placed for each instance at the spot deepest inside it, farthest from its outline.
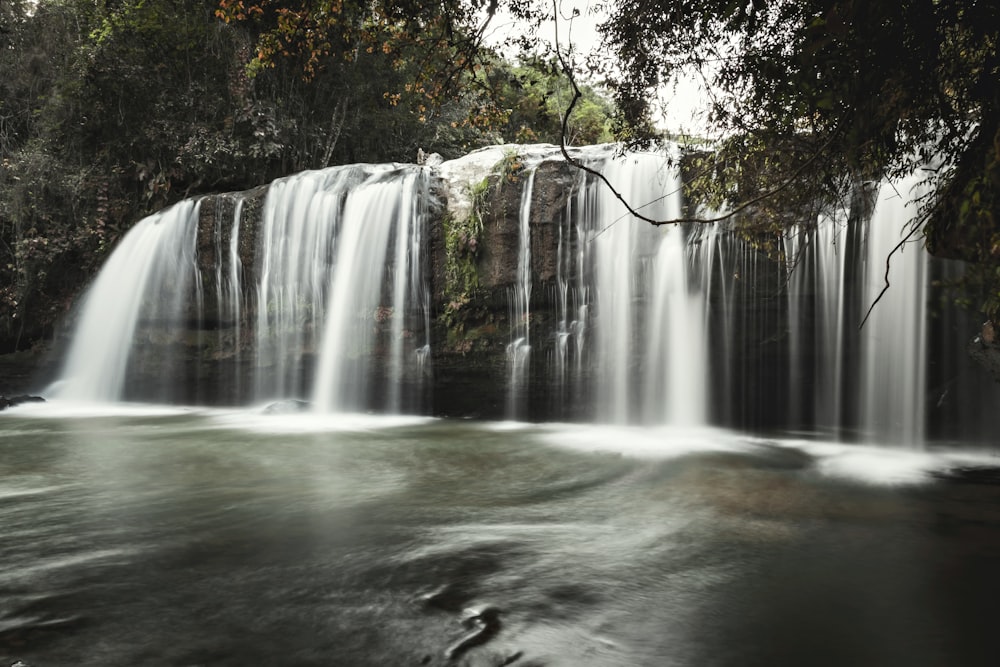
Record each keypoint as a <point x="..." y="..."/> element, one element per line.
<point x="300" y="227"/>
<point x="894" y="339"/>
<point x="519" y="348"/>
<point x="676" y="383"/>
<point x="868" y="377"/>
<point x="633" y="287"/>
<point x="366" y="290"/>
<point x="819" y="322"/>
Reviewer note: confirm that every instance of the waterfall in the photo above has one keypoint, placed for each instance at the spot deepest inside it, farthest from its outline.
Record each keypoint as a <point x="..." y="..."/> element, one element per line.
<point x="145" y="280"/>
<point x="234" y="291"/>
<point x="632" y="284"/>
<point x="894" y="338"/>
<point x="340" y="275"/>
<point x="373" y="212"/>
<point x="519" y="348"/>
<point x="677" y="375"/>
<point x="818" y="322"/>
<point x="320" y="288"/>
<point x="300" y="226"/>
<point x="866" y="381"/>
<point x="339" y="294"/>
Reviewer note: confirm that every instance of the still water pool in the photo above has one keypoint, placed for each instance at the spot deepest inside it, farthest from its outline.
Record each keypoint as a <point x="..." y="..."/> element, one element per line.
<point x="145" y="536"/>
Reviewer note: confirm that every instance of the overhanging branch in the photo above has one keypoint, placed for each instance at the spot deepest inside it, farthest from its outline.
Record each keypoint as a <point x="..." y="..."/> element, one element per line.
<point x="577" y="94"/>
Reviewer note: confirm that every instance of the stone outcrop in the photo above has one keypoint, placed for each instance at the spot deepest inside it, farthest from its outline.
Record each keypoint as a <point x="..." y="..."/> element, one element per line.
<point x="472" y="327"/>
<point x="985" y="349"/>
<point x="19" y="400"/>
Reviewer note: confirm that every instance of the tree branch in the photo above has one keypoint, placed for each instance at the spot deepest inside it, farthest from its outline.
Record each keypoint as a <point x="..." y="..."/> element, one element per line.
<point x="577" y="94"/>
<point x="888" y="259"/>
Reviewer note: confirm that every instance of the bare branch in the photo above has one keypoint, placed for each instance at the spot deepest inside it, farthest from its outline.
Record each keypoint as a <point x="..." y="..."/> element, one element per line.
<point x="888" y="260"/>
<point x="577" y="94"/>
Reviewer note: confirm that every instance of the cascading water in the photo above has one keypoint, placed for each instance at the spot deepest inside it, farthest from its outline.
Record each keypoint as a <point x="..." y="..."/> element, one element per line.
<point x="631" y="282"/>
<point x="519" y="348"/>
<point x="818" y="322"/>
<point x="299" y="229"/>
<point x="373" y="212"/>
<point x="893" y="343"/>
<point x="233" y="294"/>
<point x="341" y="272"/>
<point x="867" y="380"/>
<point x="677" y="375"/>
<point x="322" y="291"/>
<point x="328" y="242"/>
<point x="324" y="257"/>
<point x="145" y="281"/>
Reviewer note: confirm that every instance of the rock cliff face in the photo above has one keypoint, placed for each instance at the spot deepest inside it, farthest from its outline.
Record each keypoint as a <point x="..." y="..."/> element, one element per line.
<point x="473" y="326"/>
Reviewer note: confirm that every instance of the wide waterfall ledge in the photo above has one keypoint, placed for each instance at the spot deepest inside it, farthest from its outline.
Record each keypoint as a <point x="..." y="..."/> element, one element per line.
<point x="508" y="284"/>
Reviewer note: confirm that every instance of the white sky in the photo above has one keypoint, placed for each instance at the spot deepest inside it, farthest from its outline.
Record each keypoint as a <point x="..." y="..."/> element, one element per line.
<point x="684" y="102"/>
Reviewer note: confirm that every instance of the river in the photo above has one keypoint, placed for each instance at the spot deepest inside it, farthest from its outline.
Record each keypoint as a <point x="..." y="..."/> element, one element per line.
<point x="171" y="536"/>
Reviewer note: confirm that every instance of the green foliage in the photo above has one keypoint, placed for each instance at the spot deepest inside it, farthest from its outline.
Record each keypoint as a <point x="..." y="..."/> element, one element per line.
<point x="509" y="168"/>
<point x="462" y="247"/>
<point x="461" y="268"/>
<point x="536" y="95"/>
<point x="875" y="88"/>
<point x="811" y="98"/>
<point x="112" y="110"/>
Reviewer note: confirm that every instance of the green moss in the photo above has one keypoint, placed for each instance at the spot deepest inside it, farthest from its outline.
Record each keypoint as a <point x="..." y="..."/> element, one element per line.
<point x="462" y="246"/>
<point x="469" y="326"/>
<point x="461" y="239"/>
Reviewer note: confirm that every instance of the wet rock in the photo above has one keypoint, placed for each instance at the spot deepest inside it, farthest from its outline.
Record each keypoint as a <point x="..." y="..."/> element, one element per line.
<point x="985" y="351"/>
<point x="18" y="400"/>
<point x="485" y="624"/>
<point x="989" y="333"/>
<point x="972" y="475"/>
<point x="512" y="658"/>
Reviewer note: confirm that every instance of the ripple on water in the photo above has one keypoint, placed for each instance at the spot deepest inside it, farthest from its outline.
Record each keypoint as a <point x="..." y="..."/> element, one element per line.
<point x="44" y="566"/>
<point x="14" y="492"/>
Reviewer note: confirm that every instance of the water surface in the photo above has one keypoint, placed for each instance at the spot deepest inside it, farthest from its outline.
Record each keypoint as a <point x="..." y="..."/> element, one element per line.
<point x="191" y="537"/>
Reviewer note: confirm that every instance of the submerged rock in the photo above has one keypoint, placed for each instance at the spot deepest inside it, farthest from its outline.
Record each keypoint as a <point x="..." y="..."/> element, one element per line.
<point x="286" y="407"/>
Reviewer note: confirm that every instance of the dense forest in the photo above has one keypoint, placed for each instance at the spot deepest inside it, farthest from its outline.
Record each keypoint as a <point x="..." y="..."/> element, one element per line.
<point x="111" y="109"/>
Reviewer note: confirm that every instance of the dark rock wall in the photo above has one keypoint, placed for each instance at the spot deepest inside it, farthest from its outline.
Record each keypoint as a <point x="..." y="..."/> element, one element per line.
<point x="470" y="365"/>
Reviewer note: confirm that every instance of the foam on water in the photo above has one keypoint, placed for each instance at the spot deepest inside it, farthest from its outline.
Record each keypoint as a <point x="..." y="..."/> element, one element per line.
<point x="258" y="420"/>
<point x="655" y="443"/>
<point x="69" y="409"/>
<point x="864" y="464"/>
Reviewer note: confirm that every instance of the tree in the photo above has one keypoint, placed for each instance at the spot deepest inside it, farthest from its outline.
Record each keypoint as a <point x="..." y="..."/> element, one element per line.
<point x="811" y="97"/>
<point x="112" y="110"/>
<point x="536" y="96"/>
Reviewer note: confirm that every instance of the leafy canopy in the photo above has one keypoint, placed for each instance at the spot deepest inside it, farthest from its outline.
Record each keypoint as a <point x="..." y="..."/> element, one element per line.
<point x="810" y="97"/>
<point x="874" y="89"/>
